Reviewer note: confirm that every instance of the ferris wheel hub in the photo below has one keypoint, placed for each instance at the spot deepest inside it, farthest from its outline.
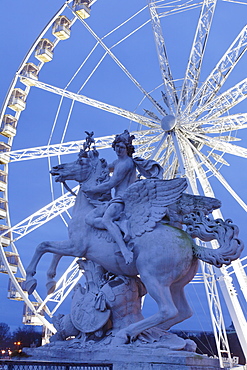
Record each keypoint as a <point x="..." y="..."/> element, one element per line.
<point x="168" y="122"/>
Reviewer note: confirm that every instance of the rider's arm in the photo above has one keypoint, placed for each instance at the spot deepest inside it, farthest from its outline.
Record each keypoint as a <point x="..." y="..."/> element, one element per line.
<point x="111" y="166"/>
<point x="120" y="172"/>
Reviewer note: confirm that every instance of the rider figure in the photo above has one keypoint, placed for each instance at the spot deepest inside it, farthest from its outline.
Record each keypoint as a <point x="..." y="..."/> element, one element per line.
<point x="124" y="174"/>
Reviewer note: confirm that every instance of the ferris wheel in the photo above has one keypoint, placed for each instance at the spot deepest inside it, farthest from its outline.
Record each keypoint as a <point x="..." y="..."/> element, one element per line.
<point x="104" y="67"/>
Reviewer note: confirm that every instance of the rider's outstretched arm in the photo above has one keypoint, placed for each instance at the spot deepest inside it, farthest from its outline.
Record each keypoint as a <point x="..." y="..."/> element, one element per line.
<point x="119" y="174"/>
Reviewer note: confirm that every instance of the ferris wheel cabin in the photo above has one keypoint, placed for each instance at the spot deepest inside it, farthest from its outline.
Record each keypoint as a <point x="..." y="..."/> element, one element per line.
<point x="17" y="100"/>
<point x="4" y="149"/>
<point x="61" y="28"/>
<point x="81" y="8"/>
<point x="3" y="183"/>
<point x="29" y="70"/>
<point x="12" y="259"/>
<point x="13" y="292"/>
<point x="5" y="239"/>
<point x="3" y="208"/>
<point x="29" y="317"/>
<point x="8" y="126"/>
<point x="44" y="50"/>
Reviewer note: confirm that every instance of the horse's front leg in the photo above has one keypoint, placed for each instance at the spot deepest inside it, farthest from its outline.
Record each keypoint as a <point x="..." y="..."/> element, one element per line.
<point x="51" y="273"/>
<point x="31" y="283"/>
<point x="63" y="248"/>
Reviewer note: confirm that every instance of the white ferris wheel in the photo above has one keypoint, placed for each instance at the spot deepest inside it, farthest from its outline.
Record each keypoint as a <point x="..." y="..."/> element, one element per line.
<point x="173" y="73"/>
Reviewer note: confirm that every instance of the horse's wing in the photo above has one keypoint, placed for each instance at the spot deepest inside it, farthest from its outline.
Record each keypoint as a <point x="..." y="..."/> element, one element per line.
<point x="146" y="202"/>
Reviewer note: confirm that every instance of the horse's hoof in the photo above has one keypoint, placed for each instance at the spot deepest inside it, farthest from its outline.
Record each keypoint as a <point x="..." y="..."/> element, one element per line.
<point x="30" y="285"/>
<point x="120" y="339"/>
<point x="50" y="286"/>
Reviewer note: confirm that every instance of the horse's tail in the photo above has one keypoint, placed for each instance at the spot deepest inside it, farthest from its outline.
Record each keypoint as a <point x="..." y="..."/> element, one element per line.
<point x="230" y="247"/>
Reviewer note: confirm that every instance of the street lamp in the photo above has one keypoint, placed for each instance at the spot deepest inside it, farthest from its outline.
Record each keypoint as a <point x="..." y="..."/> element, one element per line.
<point x="18" y="345"/>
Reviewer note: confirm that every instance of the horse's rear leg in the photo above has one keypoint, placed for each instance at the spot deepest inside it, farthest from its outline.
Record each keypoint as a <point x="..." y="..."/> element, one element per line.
<point x="179" y="298"/>
<point x="167" y="311"/>
<point x="51" y="273"/>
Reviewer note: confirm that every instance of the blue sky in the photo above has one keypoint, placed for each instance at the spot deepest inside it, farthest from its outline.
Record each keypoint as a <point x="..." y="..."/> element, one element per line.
<point x="29" y="187"/>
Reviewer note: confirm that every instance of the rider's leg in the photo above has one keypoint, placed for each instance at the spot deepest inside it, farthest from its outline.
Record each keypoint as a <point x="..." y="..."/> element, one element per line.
<point x="125" y="228"/>
<point x="94" y="218"/>
<point x="111" y="214"/>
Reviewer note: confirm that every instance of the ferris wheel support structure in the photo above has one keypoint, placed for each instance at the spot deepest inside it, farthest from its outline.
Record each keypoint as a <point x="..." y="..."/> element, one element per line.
<point x="211" y="275"/>
<point x="184" y="156"/>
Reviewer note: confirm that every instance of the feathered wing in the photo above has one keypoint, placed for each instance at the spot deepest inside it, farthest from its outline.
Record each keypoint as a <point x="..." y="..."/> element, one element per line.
<point x="146" y="202"/>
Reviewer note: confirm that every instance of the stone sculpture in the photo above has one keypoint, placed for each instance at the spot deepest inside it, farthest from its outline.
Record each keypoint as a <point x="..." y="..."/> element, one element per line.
<point x="107" y="304"/>
<point x="137" y="232"/>
<point x="124" y="174"/>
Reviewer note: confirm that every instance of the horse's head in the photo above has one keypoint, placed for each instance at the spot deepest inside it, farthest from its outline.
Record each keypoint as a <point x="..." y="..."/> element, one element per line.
<point x="88" y="167"/>
<point x="78" y="170"/>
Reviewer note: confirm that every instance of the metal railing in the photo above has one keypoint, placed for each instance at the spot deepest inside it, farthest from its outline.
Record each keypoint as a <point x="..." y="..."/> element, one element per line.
<point x="42" y="365"/>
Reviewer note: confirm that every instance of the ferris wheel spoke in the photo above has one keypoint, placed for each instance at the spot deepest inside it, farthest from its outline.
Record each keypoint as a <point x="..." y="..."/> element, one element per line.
<point x="106" y="53"/>
<point x="201" y="174"/>
<point x="187" y="162"/>
<point x="145" y="145"/>
<point x="146" y="136"/>
<point x="42" y="216"/>
<point x="170" y="150"/>
<point x="220" y="125"/>
<point x="193" y="70"/>
<point x="237" y="2"/>
<point x="54" y="150"/>
<point x="218" y="76"/>
<point x="141" y="137"/>
<point x="64" y="286"/>
<point x="169" y="160"/>
<point x="122" y="67"/>
<point x="171" y="95"/>
<point x="171" y="171"/>
<point x="173" y="8"/>
<point x="160" y="147"/>
<point x="223" y="102"/>
<point x="217" y="144"/>
<point x="98" y="104"/>
<point x="205" y="161"/>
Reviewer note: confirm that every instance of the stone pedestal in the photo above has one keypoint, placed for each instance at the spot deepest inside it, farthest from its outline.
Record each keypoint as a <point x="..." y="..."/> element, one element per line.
<point x="127" y="357"/>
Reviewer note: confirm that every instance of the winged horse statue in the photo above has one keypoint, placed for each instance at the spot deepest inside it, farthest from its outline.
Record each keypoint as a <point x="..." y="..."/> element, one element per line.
<point x="165" y="255"/>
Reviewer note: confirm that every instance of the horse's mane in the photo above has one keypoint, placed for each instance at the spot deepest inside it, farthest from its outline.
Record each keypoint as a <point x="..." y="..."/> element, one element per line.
<point x="102" y="173"/>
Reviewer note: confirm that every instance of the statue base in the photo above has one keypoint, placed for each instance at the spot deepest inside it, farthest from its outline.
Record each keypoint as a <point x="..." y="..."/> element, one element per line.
<point x="125" y="357"/>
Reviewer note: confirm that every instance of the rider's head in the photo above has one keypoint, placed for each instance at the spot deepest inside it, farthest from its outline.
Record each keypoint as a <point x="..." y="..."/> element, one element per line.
<point x="126" y="139"/>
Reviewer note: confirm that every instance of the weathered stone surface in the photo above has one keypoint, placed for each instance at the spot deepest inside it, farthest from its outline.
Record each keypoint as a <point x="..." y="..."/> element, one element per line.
<point x="130" y="358"/>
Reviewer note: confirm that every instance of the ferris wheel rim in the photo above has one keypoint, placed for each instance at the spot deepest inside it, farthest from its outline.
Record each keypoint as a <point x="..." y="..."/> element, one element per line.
<point x="158" y="132"/>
